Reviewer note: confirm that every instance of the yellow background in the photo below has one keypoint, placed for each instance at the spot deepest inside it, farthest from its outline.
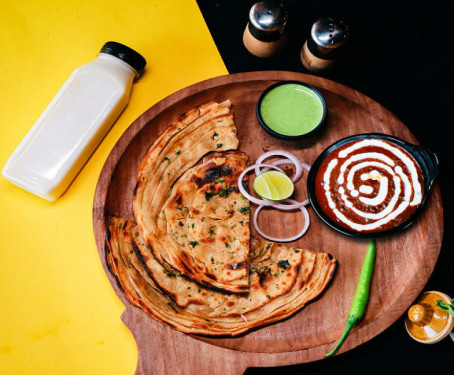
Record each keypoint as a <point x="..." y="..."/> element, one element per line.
<point x="58" y="312"/>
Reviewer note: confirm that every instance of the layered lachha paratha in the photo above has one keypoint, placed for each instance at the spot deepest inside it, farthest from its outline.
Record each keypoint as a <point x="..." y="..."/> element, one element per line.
<point x="282" y="281"/>
<point x="189" y="259"/>
<point x="204" y="224"/>
<point x="168" y="161"/>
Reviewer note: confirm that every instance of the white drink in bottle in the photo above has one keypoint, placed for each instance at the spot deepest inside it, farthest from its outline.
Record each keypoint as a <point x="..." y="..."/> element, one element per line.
<point x="74" y="123"/>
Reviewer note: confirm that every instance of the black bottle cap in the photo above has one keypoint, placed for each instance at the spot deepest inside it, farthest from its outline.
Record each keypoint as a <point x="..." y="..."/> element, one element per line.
<point x="128" y="55"/>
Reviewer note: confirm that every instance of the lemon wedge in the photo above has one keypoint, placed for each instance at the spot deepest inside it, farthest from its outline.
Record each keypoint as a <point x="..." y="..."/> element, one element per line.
<point x="273" y="186"/>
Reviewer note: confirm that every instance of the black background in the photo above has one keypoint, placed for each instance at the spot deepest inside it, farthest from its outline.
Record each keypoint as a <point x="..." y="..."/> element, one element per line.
<point x="402" y="60"/>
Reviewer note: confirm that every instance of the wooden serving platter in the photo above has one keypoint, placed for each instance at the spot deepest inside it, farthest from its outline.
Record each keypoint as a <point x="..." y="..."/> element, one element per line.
<point x="403" y="265"/>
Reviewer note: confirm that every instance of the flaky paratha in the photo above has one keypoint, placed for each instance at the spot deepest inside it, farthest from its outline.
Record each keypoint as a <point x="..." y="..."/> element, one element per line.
<point x="204" y="224"/>
<point x="267" y="280"/>
<point x="207" y="128"/>
<point x="303" y="276"/>
<point x="190" y="261"/>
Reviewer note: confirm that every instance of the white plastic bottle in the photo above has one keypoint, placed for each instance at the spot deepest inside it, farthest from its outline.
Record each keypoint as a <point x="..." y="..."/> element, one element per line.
<point x="64" y="137"/>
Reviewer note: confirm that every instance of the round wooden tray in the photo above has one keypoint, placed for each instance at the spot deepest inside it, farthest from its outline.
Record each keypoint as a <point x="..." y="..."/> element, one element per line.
<point x="403" y="265"/>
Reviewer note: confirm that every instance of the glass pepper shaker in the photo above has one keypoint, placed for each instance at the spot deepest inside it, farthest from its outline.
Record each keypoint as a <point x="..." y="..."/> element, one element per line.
<point x="326" y="44"/>
<point x="265" y="33"/>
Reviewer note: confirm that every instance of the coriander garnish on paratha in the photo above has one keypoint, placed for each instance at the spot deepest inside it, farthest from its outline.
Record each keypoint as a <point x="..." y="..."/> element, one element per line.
<point x="276" y="292"/>
<point x="203" y="227"/>
<point x="189" y="259"/>
<point x="207" y="128"/>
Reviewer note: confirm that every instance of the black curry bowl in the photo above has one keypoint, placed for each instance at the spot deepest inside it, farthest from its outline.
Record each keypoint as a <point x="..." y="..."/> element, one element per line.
<point x="426" y="159"/>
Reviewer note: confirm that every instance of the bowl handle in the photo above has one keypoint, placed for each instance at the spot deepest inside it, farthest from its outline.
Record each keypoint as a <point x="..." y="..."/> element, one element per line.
<point x="430" y="159"/>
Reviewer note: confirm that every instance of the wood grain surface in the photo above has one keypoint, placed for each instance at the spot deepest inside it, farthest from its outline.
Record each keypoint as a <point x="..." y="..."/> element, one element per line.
<point x="403" y="265"/>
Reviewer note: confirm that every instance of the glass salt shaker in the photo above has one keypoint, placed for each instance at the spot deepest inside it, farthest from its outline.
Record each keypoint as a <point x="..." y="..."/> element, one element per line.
<point x="265" y="34"/>
<point x="326" y="44"/>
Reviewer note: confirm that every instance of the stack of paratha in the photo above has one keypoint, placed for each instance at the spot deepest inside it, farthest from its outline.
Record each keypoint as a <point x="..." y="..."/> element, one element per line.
<point x="189" y="260"/>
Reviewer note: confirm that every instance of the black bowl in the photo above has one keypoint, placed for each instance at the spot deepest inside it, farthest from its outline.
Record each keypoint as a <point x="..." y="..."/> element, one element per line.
<point x="289" y="137"/>
<point x="425" y="158"/>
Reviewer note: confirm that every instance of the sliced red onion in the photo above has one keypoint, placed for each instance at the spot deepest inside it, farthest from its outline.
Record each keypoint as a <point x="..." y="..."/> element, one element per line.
<point x="305" y="166"/>
<point x="265" y="202"/>
<point x="260" y="202"/>
<point x="289" y="207"/>
<point x="290" y="239"/>
<point x="294" y="160"/>
<point x="288" y="161"/>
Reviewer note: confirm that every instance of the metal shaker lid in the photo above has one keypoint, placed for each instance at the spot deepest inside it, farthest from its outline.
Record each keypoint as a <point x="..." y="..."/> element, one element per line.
<point x="267" y="20"/>
<point x="329" y="36"/>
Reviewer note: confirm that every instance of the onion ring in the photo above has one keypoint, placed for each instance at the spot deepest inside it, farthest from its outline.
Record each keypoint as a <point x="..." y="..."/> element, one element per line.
<point x="287" y="161"/>
<point x="265" y="202"/>
<point x="289" y="207"/>
<point x="294" y="160"/>
<point x="260" y="202"/>
<point x="305" y="166"/>
<point x="290" y="239"/>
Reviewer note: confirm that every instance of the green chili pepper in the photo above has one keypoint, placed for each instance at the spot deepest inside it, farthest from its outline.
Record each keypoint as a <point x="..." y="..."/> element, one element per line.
<point x="361" y="295"/>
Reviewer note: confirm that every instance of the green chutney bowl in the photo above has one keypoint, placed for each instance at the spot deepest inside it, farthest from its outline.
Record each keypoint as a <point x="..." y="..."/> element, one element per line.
<point x="291" y="110"/>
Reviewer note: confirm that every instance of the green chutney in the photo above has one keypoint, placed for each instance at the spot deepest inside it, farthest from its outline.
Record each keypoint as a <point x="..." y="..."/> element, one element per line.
<point x="291" y="109"/>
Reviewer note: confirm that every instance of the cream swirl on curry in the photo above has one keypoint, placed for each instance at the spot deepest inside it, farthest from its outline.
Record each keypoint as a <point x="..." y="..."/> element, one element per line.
<point x="369" y="185"/>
